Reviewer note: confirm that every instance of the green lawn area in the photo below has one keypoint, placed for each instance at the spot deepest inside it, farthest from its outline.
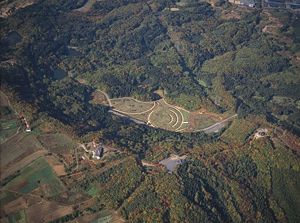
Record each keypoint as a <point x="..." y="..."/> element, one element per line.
<point x="37" y="173"/>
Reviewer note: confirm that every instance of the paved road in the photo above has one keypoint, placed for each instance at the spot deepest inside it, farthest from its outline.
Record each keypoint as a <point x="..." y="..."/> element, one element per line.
<point x="217" y="126"/>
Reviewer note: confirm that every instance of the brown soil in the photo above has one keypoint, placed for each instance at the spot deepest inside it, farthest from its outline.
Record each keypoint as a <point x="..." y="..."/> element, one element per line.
<point x="58" y="168"/>
<point x="18" y="165"/>
<point x="15" y="206"/>
<point x="99" y="98"/>
<point x="46" y="211"/>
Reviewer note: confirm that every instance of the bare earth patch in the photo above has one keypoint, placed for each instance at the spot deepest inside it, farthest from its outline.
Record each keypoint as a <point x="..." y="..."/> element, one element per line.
<point x="47" y="211"/>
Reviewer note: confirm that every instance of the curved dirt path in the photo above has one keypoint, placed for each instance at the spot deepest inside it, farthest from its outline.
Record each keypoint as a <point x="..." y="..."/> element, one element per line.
<point x="107" y="97"/>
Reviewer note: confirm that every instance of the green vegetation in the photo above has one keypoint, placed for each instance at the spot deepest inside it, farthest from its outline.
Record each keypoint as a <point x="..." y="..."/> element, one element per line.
<point x="34" y="175"/>
<point x="114" y="184"/>
<point x="8" y="123"/>
<point x="239" y="131"/>
<point x="286" y="191"/>
<point x="57" y="143"/>
<point x="130" y="105"/>
<point x="198" y="58"/>
<point x="18" y="217"/>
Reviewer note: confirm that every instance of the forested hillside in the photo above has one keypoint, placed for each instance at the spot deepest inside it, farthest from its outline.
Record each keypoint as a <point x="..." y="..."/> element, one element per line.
<point x="220" y="59"/>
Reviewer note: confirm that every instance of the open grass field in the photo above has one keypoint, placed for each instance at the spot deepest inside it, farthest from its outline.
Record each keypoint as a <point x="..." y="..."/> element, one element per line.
<point x="131" y="106"/>
<point x="201" y="121"/>
<point x="99" y="98"/>
<point x="161" y="114"/>
<point x="36" y="174"/>
<point x="57" y="143"/>
<point x="239" y="131"/>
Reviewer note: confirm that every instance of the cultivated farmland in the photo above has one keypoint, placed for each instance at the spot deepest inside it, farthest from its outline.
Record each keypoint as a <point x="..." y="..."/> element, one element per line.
<point x="35" y="175"/>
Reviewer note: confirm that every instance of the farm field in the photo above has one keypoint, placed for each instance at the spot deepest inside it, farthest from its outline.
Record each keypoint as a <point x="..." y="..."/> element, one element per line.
<point x="17" y="147"/>
<point x="37" y="174"/>
<point x="49" y="211"/>
<point x="9" y="123"/>
<point x="8" y="128"/>
<point x="57" y="143"/>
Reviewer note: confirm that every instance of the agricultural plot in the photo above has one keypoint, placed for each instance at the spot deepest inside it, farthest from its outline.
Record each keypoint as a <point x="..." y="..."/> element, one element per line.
<point x="5" y="198"/>
<point x="48" y="211"/>
<point x="57" y="143"/>
<point x="18" y="147"/>
<point x="7" y="129"/>
<point x="18" y="217"/>
<point x="37" y="174"/>
<point x="8" y="123"/>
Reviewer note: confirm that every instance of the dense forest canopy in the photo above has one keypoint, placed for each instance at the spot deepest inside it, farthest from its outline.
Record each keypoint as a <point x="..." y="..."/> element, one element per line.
<point x="217" y="58"/>
<point x="133" y="48"/>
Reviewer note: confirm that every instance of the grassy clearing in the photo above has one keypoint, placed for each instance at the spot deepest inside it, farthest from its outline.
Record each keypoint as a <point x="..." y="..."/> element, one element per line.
<point x="239" y="131"/>
<point x="99" y="98"/>
<point x="161" y="117"/>
<point x="130" y="105"/>
<point x="34" y="175"/>
<point x="160" y="114"/>
<point x="57" y="143"/>
<point x="200" y="121"/>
